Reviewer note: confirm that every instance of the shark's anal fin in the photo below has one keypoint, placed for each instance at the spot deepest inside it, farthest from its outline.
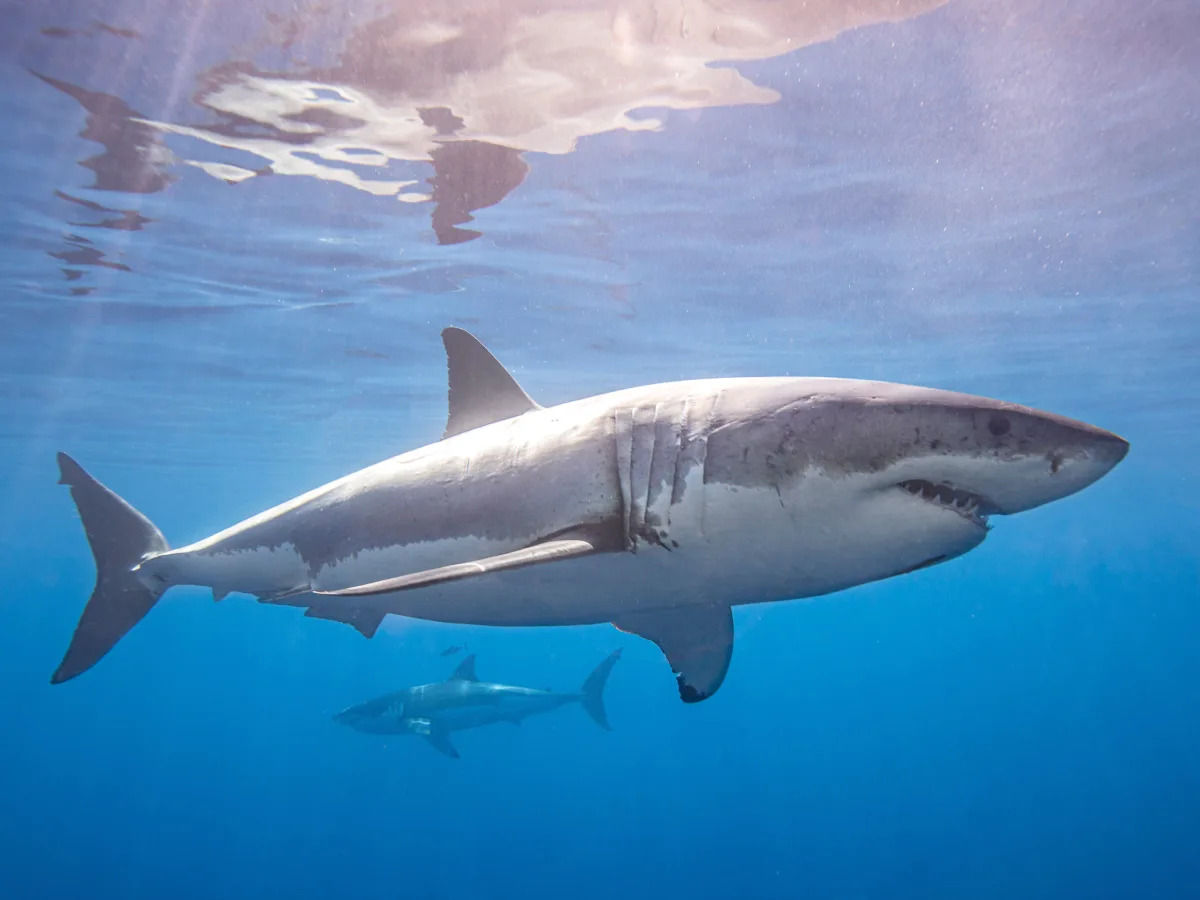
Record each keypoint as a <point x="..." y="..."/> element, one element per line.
<point x="481" y="390"/>
<point x="697" y="641"/>
<point x="365" y="621"/>
<point x="538" y="553"/>
<point x="465" y="670"/>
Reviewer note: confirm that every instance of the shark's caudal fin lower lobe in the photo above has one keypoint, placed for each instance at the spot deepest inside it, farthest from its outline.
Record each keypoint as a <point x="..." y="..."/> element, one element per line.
<point x="120" y="537"/>
<point x="593" y="690"/>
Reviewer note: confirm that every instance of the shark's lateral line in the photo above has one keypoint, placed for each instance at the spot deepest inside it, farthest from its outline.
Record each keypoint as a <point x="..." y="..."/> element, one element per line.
<point x="463" y="701"/>
<point x="655" y="508"/>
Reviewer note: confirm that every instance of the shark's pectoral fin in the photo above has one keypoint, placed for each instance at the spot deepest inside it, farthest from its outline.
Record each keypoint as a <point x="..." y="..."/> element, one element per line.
<point x="697" y="641"/>
<point x="438" y="738"/>
<point x="365" y="621"/>
<point x="286" y="597"/>
<point x="547" y="551"/>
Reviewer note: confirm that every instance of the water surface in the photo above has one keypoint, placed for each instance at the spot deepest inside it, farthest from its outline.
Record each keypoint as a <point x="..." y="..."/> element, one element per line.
<point x="233" y="234"/>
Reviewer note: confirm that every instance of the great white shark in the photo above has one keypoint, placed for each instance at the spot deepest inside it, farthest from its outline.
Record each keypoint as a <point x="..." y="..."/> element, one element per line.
<point x="463" y="701"/>
<point x="655" y="508"/>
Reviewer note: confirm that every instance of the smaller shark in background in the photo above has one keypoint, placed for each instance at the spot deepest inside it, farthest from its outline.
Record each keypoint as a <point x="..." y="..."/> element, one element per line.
<point x="463" y="701"/>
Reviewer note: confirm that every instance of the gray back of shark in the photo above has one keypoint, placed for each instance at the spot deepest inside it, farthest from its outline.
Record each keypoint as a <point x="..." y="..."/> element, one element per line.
<point x="463" y="701"/>
<point x="656" y="508"/>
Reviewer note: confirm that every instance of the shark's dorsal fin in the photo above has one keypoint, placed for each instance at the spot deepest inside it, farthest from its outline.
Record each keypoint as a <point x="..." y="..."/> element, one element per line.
<point x="697" y="641"/>
<point x="481" y="390"/>
<point x="465" y="670"/>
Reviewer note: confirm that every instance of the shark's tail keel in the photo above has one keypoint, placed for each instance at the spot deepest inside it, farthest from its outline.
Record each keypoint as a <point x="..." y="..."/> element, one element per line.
<point x="120" y="538"/>
<point x="593" y="690"/>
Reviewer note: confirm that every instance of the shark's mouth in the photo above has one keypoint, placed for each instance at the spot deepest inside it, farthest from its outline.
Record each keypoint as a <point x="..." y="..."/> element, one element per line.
<point x="971" y="507"/>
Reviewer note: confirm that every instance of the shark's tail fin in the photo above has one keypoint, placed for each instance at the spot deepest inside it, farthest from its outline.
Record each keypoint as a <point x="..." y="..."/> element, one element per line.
<point x="120" y="537"/>
<point x="593" y="690"/>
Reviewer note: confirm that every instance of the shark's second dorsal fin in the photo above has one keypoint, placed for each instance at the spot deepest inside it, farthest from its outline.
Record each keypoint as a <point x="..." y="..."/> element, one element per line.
<point x="481" y="390"/>
<point x="465" y="670"/>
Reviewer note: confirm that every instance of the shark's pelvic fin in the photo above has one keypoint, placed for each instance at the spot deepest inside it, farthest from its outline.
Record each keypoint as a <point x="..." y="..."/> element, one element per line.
<point x="465" y="670"/>
<point x="547" y="551"/>
<point x="120" y="538"/>
<point x="365" y="622"/>
<point x="697" y="641"/>
<point x="481" y="390"/>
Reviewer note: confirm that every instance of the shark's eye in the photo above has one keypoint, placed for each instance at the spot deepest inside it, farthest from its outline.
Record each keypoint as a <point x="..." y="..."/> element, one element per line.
<point x="999" y="425"/>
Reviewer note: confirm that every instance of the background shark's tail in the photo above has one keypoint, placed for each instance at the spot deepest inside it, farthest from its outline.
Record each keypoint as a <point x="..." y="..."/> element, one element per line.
<point x="120" y="536"/>
<point x="593" y="690"/>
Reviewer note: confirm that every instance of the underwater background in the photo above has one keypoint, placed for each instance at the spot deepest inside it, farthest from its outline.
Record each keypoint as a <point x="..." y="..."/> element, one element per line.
<point x="232" y="233"/>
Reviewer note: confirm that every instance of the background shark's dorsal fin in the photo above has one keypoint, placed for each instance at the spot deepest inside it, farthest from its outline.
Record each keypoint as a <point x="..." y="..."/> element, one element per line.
<point x="465" y="670"/>
<point x="481" y="390"/>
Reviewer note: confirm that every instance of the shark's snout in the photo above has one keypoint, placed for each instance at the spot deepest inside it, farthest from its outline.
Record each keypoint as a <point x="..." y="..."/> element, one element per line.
<point x="357" y="718"/>
<point x="1108" y="448"/>
<point x="1073" y="455"/>
<point x="979" y="457"/>
<point x="1042" y="457"/>
<point x="382" y="716"/>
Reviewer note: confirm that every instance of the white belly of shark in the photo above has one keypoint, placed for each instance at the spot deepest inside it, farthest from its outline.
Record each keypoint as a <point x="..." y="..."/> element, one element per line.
<point x="655" y="508"/>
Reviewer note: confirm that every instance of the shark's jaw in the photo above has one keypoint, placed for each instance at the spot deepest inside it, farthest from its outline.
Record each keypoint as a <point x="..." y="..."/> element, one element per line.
<point x="970" y="506"/>
<point x="926" y="508"/>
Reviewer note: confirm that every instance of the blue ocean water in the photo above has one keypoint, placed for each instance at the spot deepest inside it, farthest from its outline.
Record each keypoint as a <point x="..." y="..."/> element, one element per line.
<point x="233" y="233"/>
